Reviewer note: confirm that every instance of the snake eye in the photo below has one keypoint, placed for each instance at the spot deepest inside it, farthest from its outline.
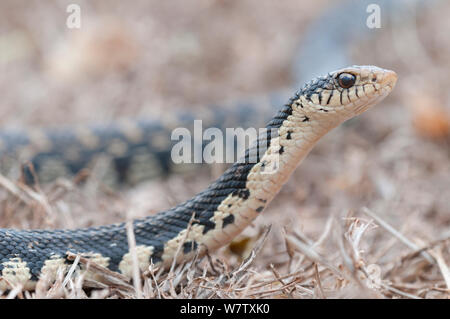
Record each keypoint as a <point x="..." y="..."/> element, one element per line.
<point x="346" y="80"/>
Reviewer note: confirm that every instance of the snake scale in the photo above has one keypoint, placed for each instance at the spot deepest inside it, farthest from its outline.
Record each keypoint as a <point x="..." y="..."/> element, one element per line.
<point x="216" y="215"/>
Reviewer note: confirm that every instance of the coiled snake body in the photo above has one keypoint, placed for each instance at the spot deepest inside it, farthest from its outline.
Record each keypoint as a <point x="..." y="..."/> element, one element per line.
<point x="221" y="211"/>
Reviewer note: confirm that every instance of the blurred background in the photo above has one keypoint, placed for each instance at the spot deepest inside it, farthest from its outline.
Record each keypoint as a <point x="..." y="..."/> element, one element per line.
<point x="146" y="59"/>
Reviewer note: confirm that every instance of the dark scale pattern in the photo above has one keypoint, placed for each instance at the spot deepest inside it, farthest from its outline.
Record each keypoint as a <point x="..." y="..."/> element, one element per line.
<point x="327" y="82"/>
<point x="189" y="246"/>
<point x="228" y="220"/>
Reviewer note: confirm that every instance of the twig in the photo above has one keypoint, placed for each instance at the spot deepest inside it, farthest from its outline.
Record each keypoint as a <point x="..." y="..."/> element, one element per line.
<point x="71" y="270"/>
<point x="398" y="235"/>
<point x="13" y="189"/>
<point x="134" y="258"/>
<point x="437" y="254"/>
<point x="236" y="274"/>
<point x="427" y="247"/>
<point x="113" y="277"/>
<point x="277" y="275"/>
<point x="310" y="253"/>
<point x="292" y="283"/>
<point x="319" y="283"/>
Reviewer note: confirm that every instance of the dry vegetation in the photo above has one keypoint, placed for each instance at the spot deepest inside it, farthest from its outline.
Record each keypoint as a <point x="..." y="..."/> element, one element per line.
<point x="367" y="214"/>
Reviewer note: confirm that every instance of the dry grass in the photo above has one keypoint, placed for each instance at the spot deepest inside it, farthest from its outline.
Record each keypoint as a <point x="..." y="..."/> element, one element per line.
<point x="337" y="264"/>
<point x="366" y="215"/>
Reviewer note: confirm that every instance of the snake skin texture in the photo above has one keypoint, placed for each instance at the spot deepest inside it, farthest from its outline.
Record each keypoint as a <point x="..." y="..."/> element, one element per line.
<point x="216" y="215"/>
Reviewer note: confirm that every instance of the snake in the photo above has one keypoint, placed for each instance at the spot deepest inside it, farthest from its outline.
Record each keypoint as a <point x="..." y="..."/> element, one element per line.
<point x="213" y="217"/>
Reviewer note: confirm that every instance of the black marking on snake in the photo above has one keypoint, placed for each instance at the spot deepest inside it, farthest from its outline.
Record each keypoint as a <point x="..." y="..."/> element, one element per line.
<point x="317" y="86"/>
<point x="374" y="87"/>
<point x="305" y="119"/>
<point x="281" y="150"/>
<point x="288" y="136"/>
<point x="323" y="110"/>
<point x="348" y="94"/>
<point x="242" y="193"/>
<point x="189" y="246"/>
<point x="228" y="220"/>
<point x="329" y="98"/>
<point x="356" y="92"/>
<point x="156" y="257"/>
<point x="313" y="87"/>
<point x="208" y="225"/>
<point x="260" y="209"/>
<point x="340" y="97"/>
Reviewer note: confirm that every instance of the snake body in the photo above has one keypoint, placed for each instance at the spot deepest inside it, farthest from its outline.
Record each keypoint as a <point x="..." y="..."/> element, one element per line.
<point x="216" y="215"/>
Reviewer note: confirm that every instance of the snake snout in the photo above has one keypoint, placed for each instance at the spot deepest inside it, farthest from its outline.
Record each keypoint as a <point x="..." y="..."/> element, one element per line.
<point x="389" y="78"/>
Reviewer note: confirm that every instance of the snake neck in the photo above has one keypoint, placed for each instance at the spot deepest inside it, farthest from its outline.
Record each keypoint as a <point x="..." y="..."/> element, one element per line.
<point x="232" y="202"/>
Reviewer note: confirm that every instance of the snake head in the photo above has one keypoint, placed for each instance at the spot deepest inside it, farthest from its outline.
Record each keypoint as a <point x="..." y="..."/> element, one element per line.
<point x="345" y="93"/>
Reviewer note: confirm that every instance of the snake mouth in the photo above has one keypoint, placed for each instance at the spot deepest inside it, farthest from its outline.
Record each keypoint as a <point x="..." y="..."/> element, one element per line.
<point x="389" y="79"/>
<point x="387" y="85"/>
<point x="380" y="95"/>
